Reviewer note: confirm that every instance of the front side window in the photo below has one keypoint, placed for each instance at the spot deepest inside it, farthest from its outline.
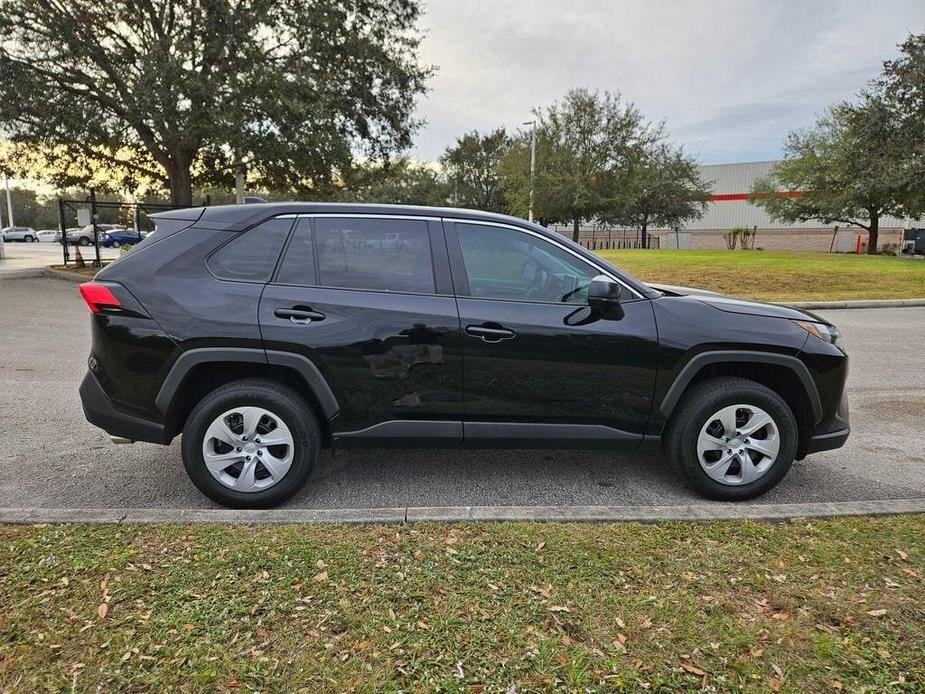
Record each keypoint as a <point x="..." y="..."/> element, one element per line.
<point x="251" y="256"/>
<point x="389" y="255"/>
<point x="503" y="263"/>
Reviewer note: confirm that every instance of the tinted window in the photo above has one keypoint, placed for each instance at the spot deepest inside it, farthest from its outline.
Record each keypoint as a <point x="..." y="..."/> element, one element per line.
<point x="391" y="255"/>
<point x="250" y="257"/>
<point x="298" y="266"/>
<point x="507" y="264"/>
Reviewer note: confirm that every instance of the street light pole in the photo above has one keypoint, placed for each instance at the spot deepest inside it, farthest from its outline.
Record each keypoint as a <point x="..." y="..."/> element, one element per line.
<point x="2" y="249"/>
<point x="9" y="201"/>
<point x="9" y="212"/>
<point x="238" y="178"/>
<point x="532" y="165"/>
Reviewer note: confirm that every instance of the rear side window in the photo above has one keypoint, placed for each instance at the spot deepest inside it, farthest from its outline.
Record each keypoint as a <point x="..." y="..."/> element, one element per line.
<point x="251" y="256"/>
<point x="390" y="255"/>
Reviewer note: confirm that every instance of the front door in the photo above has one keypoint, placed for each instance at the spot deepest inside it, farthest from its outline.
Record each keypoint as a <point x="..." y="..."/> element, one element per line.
<point x="537" y="370"/>
<point x="368" y="300"/>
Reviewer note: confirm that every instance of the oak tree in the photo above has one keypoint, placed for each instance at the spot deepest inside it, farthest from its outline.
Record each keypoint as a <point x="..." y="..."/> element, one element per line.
<point x="172" y="89"/>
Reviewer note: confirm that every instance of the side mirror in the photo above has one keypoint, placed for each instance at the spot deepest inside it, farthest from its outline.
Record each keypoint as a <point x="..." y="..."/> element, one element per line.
<point x="604" y="298"/>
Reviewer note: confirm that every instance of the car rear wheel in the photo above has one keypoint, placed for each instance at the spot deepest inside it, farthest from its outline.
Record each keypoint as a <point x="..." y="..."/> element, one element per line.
<point x="250" y="444"/>
<point x="732" y="439"/>
<point x="83" y="241"/>
<point x="30" y="239"/>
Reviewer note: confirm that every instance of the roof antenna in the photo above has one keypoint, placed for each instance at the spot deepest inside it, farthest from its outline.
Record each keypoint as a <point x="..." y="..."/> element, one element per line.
<point x="253" y="200"/>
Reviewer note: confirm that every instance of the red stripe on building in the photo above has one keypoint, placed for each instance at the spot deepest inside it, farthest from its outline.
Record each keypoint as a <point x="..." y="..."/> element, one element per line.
<point x="726" y="197"/>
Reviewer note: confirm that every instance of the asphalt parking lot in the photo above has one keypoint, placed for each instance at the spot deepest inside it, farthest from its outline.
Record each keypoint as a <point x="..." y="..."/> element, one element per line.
<point x="22" y="257"/>
<point x="54" y="459"/>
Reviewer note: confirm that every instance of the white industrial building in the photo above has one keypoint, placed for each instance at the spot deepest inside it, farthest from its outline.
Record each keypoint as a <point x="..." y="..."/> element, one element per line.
<point x="729" y="208"/>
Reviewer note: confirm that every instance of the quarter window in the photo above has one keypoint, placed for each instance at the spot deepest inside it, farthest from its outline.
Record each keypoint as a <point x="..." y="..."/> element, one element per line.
<point x="503" y="263"/>
<point x="390" y="255"/>
<point x="298" y="266"/>
<point x="251" y="256"/>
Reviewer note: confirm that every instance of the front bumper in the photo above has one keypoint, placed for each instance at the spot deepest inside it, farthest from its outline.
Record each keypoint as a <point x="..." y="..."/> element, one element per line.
<point x="99" y="411"/>
<point x="835" y="433"/>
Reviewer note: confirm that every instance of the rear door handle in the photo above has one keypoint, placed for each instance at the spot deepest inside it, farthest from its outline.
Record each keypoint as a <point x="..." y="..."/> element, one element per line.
<point x="299" y="315"/>
<point x="490" y="332"/>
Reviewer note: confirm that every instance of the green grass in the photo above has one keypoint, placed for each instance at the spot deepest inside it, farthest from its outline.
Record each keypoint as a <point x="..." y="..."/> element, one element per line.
<point x="779" y="275"/>
<point x="732" y="606"/>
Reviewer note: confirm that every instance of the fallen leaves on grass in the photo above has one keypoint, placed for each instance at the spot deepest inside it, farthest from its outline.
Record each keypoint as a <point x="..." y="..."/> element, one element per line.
<point x="692" y="669"/>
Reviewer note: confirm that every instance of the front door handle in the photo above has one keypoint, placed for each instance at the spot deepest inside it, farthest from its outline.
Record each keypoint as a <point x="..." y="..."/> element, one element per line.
<point x="299" y="315"/>
<point x="490" y="332"/>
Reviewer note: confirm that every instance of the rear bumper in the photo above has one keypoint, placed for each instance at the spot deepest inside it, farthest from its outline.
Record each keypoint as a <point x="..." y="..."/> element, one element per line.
<point x="828" y="441"/>
<point x="99" y="411"/>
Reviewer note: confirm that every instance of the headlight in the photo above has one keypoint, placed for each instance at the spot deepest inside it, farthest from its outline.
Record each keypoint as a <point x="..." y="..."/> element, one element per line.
<point x="826" y="333"/>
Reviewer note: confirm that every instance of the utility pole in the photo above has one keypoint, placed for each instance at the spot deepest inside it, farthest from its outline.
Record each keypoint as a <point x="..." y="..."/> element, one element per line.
<point x="532" y="165"/>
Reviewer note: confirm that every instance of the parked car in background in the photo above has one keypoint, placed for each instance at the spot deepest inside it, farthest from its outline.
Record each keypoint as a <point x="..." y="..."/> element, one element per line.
<point x="270" y="331"/>
<point x="46" y="235"/>
<point x="84" y="235"/>
<point x="68" y="231"/>
<point x="25" y="234"/>
<point x="121" y="237"/>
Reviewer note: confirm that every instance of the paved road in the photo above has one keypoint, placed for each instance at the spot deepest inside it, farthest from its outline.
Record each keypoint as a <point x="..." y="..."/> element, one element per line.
<point x="52" y="458"/>
<point x="22" y="257"/>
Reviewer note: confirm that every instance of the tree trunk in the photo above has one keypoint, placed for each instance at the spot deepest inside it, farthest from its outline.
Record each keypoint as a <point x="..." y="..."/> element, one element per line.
<point x="575" y="221"/>
<point x="180" y="182"/>
<point x="644" y="236"/>
<point x="873" y="233"/>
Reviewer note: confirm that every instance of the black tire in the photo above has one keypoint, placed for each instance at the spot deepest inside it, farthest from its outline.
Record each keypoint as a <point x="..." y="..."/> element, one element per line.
<point x="83" y="241"/>
<point x="691" y="414"/>
<point x="283" y="402"/>
<point x="29" y="239"/>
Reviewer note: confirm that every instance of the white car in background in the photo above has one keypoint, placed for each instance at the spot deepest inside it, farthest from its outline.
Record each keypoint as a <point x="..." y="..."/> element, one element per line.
<point x="46" y="235"/>
<point x="26" y="234"/>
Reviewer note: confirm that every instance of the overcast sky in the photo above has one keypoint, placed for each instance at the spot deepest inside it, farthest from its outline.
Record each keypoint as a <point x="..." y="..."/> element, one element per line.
<point x="730" y="77"/>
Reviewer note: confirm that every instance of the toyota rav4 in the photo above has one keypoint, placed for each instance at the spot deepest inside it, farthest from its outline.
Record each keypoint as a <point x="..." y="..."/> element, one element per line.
<point x="263" y="333"/>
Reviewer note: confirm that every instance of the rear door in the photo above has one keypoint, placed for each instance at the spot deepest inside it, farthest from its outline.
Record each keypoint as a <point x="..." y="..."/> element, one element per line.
<point x="538" y="370"/>
<point x="368" y="299"/>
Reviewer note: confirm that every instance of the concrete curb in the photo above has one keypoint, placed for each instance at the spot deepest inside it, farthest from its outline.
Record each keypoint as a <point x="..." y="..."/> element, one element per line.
<point x="454" y="514"/>
<point x="861" y="303"/>
<point x="20" y="274"/>
<point x="64" y="275"/>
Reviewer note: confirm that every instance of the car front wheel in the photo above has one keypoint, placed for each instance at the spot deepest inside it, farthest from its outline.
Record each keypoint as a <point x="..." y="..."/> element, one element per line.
<point x="732" y="438"/>
<point x="250" y="444"/>
<point x="83" y="241"/>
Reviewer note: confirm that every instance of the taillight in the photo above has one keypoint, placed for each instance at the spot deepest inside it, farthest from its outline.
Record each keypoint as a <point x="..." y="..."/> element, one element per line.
<point x="98" y="296"/>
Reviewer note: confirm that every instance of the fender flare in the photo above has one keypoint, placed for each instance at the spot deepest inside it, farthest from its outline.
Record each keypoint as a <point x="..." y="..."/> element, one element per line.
<point x="190" y="359"/>
<point x="698" y="361"/>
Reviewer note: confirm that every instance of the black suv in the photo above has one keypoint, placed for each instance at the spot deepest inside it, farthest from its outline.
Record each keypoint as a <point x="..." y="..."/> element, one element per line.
<point x="265" y="332"/>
